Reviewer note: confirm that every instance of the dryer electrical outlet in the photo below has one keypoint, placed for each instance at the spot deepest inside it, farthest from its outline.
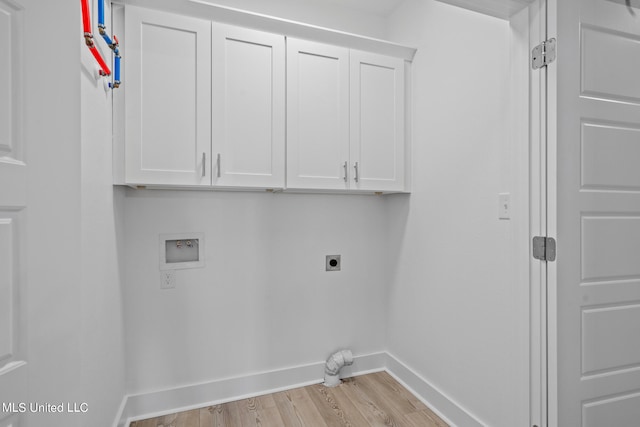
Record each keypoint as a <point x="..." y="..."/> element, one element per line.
<point x="333" y="263"/>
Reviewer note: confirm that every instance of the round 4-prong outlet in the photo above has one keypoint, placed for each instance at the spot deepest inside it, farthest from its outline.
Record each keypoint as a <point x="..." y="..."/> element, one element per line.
<point x="332" y="263"/>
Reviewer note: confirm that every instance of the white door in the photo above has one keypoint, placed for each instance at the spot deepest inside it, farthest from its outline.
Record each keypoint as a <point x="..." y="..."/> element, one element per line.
<point x="248" y="108"/>
<point x="595" y="167"/>
<point x="317" y="115"/>
<point x="13" y="200"/>
<point x="168" y="91"/>
<point x="377" y="122"/>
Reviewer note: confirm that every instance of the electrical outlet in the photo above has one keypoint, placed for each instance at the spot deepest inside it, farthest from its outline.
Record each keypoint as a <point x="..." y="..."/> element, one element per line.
<point x="332" y="263"/>
<point x="167" y="279"/>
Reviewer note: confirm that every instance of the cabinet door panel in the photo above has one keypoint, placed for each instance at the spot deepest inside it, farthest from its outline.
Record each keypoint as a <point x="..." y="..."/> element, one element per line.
<point x="377" y="122"/>
<point x="248" y="107"/>
<point x="317" y="115"/>
<point x="168" y="136"/>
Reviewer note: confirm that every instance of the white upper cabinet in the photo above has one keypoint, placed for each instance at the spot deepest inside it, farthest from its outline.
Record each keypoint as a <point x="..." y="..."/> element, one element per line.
<point x="377" y="122"/>
<point x="345" y="119"/>
<point x="317" y="116"/>
<point x="167" y="107"/>
<point x="213" y="105"/>
<point x="248" y="142"/>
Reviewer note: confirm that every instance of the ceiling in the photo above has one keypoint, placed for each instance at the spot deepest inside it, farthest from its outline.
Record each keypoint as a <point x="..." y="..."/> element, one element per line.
<point x="499" y="8"/>
<point x="380" y="8"/>
<point x="376" y="7"/>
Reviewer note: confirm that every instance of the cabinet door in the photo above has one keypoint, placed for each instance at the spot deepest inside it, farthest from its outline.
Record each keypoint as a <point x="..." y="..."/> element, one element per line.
<point x="168" y="89"/>
<point x="248" y="108"/>
<point x="317" y="115"/>
<point x="377" y="122"/>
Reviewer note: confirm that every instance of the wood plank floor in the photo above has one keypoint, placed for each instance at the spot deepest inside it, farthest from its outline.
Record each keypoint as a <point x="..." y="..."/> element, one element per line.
<point x="368" y="400"/>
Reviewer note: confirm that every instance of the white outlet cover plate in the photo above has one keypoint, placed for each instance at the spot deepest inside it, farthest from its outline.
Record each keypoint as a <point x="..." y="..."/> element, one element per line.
<point x="504" y="206"/>
<point x="167" y="279"/>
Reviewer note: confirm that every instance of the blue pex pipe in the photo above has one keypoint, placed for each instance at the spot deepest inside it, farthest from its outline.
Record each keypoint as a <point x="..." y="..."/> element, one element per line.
<point x="116" y="72"/>
<point x="108" y="40"/>
<point x="100" y="13"/>
<point x="113" y="44"/>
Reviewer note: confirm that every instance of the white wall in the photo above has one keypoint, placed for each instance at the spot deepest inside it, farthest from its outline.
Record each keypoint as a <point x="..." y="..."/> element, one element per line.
<point x="74" y="321"/>
<point x="264" y="300"/>
<point x="102" y="331"/>
<point x="429" y="277"/>
<point x="52" y="140"/>
<point x="317" y="12"/>
<point x="455" y="307"/>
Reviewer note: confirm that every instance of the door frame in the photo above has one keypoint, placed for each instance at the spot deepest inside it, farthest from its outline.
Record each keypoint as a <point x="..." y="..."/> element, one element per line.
<point x="530" y="133"/>
<point x="552" y="218"/>
<point x="543" y="223"/>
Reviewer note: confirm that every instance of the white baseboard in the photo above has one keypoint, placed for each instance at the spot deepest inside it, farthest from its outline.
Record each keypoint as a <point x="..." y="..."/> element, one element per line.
<point x="163" y="402"/>
<point x="445" y="407"/>
<point x="120" y="421"/>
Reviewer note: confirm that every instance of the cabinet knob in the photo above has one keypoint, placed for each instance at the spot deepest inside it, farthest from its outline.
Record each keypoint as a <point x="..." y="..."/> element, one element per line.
<point x="345" y="171"/>
<point x="204" y="162"/>
<point x="356" y="177"/>
<point x="218" y="165"/>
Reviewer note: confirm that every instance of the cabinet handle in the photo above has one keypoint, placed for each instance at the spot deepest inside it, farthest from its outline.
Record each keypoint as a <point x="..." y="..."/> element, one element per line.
<point x="204" y="160"/>
<point x="356" y="178"/>
<point x="218" y="165"/>
<point x="345" y="171"/>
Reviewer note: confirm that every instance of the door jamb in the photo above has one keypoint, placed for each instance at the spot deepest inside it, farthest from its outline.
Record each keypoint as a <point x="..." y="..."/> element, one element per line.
<point x="529" y="133"/>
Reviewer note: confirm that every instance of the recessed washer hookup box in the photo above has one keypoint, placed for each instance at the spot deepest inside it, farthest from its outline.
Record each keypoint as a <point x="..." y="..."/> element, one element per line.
<point x="181" y="250"/>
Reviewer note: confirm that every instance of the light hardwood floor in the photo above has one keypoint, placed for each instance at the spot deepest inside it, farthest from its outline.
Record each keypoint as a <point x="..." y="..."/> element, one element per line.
<point x="368" y="400"/>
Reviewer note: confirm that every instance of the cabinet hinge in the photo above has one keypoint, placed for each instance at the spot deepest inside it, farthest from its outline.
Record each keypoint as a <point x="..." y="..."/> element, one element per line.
<point x="544" y="248"/>
<point x="543" y="54"/>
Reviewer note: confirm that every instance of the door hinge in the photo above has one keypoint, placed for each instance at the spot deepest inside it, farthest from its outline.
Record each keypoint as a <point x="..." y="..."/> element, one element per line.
<point x="543" y="54"/>
<point x="544" y="248"/>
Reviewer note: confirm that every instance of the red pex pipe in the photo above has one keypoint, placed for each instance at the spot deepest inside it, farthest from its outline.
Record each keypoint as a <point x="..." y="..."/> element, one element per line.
<point x="103" y="65"/>
<point x="86" y="18"/>
<point x="86" y="24"/>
